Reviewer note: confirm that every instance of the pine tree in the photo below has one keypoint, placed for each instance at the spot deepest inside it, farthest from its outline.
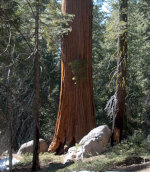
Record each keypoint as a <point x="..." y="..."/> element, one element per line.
<point x="35" y="164"/>
<point x="121" y="73"/>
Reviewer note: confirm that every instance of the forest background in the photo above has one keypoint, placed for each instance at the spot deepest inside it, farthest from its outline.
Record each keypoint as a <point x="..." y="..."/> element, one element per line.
<point x="17" y="67"/>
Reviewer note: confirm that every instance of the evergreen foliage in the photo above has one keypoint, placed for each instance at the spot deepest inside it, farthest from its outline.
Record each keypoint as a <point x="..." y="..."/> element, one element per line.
<point x="16" y="60"/>
<point x="16" y="53"/>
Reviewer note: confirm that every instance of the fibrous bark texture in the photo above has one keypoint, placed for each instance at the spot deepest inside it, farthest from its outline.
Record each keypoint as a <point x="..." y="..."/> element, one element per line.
<point x="76" y="107"/>
<point x="121" y="72"/>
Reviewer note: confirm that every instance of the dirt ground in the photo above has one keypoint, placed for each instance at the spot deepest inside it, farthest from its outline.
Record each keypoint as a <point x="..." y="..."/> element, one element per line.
<point x="131" y="164"/>
<point x="136" y="167"/>
<point x="144" y="170"/>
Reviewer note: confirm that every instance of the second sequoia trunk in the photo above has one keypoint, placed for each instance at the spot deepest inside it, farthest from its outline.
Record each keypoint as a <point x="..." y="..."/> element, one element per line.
<point x="121" y="72"/>
<point x="76" y="107"/>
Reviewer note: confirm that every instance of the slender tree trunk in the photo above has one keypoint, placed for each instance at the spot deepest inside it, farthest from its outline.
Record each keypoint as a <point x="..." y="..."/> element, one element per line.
<point x="10" y="125"/>
<point x="35" y="163"/>
<point x="121" y="72"/>
<point x="76" y="107"/>
<point x="10" y="134"/>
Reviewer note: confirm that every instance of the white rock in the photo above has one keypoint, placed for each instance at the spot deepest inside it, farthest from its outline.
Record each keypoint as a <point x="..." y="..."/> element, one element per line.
<point x="28" y="147"/>
<point x="92" y="144"/>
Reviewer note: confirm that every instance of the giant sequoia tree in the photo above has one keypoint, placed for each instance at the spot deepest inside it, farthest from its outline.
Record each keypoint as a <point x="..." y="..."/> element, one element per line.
<point x="76" y="107"/>
<point x="121" y="72"/>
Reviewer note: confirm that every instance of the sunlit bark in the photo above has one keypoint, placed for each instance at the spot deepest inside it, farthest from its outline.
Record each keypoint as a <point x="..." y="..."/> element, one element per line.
<point x="76" y="107"/>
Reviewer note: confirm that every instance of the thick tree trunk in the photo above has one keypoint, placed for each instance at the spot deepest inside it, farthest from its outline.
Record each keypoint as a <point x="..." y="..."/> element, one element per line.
<point x="121" y="73"/>
<point x="76" y="107"/>
<point x="35" y="163"/>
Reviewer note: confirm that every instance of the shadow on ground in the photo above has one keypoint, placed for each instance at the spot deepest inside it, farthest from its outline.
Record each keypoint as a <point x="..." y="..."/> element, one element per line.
<point x="52" y="167"/>
<point x="55" y="166"/>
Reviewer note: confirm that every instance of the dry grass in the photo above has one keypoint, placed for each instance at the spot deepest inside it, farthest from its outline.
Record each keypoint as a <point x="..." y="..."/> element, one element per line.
<point x="120" y="156"/>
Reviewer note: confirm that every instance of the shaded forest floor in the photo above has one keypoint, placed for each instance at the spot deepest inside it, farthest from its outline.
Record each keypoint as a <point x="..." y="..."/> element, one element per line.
<point x="100" y="163"/>
<point x="127" y="156"/>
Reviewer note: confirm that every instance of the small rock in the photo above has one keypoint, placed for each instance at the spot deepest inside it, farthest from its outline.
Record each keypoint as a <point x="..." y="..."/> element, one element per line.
<point x="28" y="147"/>
<point x="5" y="153"/>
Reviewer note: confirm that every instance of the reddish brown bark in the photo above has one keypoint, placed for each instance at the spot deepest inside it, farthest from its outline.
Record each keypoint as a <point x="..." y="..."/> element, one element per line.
<point x="121" y="72"/>
<point x="76" y="107"/>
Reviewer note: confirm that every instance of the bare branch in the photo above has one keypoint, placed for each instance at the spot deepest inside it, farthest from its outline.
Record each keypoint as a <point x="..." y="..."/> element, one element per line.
<point x="29" y="4"/>
<point x="11" y="22"/>
<point x="110" y="108"/>
<point x="8" y="42"/>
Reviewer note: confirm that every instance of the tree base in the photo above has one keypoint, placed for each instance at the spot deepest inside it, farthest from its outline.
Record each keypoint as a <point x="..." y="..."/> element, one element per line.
<point x="61" y="148"/>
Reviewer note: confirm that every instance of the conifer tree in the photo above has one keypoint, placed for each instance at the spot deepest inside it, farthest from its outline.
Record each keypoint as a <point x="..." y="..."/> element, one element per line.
<point x="76" y="107"/>
<point x="36" y="165"/>
<point x="121" y="72"/>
